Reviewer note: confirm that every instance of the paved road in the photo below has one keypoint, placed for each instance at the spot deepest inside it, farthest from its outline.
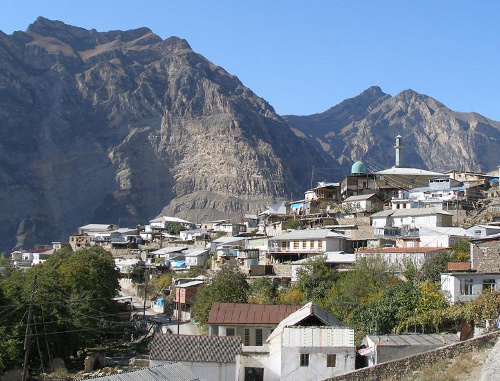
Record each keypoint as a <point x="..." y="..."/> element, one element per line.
<point x="491" y="368"/>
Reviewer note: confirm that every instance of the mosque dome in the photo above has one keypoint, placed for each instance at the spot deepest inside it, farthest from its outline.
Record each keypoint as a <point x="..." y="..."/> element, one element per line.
<point x="358" y="168"/>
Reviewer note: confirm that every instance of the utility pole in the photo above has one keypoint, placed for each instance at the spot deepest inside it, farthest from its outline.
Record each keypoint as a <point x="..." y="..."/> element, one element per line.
<point x="146" y="271"/>
<point x="179" y="313"/>
<point x="27" y="336"/>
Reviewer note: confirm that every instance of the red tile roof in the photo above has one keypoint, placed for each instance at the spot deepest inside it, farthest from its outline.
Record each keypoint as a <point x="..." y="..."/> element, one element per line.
<point x="458" y="266"/>
<point x="402" y="250"/>
<point x="249" y="314"/>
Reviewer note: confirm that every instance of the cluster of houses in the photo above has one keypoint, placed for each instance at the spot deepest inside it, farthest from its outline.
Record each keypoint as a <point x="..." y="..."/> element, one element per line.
<point x="400" y="215"/>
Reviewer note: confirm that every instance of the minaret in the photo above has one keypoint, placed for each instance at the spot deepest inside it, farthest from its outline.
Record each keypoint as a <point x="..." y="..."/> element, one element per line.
<point x="398" y="146"/>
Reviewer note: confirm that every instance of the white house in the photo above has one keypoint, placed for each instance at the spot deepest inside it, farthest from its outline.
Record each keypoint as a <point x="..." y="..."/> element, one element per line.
<point x="163" y="221"/>
<point x="305" y="243"/>
<point x="252" y="322"/>
<point x="192" y="234"/>
<point x="465" y="286"/>
<point x="90" y="229"/>
<point x="482" y="231"/>
<point x="398" y="258"/>
<point x="364" y="203"/>
<point x="440" y="236"/>
<point x="310" y="344"/>
<point x="401" y="221"/>
<point x="211" y="358"/>
<point x="196" y="257"/>
<point x="378" y="349"/>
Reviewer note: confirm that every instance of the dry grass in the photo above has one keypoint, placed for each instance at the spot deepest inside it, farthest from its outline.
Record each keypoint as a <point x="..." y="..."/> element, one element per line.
<point x="465" y="367"/>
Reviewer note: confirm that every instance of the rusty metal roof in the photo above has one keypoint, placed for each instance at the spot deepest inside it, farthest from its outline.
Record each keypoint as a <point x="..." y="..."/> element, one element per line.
<point x="458" y="266"/>
<point x="404" y="250"/>
<point x="249" y="314"/>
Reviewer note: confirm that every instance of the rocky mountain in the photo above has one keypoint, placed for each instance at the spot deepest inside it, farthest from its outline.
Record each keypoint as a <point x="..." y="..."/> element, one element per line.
<point x="122" y="126"/>
<point x="435" y="137"/>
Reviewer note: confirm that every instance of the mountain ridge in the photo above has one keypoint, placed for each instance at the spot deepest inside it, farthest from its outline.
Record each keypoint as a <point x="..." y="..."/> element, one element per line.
<point x="436" y="137"/>
<point x="122" y="126"/>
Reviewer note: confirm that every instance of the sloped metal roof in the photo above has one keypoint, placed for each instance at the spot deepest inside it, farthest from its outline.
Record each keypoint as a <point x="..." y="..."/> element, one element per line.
<point x="168" y="372"/>
<point x="414" y="339"/>
<point x="361" y="197"/>
<point x="195" y="348"/>
<point x="308" y="234"/>
<point x="249" y="314"/>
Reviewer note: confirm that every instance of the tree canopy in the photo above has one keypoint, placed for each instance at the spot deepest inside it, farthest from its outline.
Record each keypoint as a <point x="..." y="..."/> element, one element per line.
<point x="72" y="306"/>
<point x="315" y="278"/>
<point x="228" y="285"/>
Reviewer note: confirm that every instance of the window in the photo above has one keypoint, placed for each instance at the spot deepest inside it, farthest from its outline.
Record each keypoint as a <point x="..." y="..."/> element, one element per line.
<point x="284" y="244"/>
<point x="311" y="244"/>
<point x="229" y="331"/>
<point x="254" y="374"/>
<point x="331" y="361"/>
<point x="246" y="338"/>
<point x="304" y="359"/>
<point x="320" y="244"/>
<point x="465" y="286"/>
<point x="489" y="284"/>
<point x="304" y="244"/>
<point x="258" y="337"/>
<point x="295" y="244"/>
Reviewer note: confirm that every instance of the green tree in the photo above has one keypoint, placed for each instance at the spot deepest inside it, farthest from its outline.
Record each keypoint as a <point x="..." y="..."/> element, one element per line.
<point x="315" y="278"/>
<point x="431" y="271"/>
<point x="291" y="223"/>
<point x="72" y="306"/>
<point x="460" y="251"/>
<point x="366" y="281"/>
<point x="228" y="285"/>
<point x="262" y="291"/>
<point x="382" y="312"/>
<point x="290" y="295"/>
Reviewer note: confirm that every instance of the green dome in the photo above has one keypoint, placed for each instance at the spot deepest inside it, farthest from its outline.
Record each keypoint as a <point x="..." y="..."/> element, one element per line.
<point x="358" y="168"/>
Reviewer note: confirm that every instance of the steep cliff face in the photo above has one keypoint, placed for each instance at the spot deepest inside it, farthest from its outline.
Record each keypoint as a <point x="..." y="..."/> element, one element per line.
<point x="435" y="137"/>
<point x="118" y="126"/>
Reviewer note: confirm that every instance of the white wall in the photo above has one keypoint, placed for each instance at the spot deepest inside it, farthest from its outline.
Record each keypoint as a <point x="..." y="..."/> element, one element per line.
<point x="249" y="359"/>
<point x="317" y="369"/>
<point x="450" y="284"/>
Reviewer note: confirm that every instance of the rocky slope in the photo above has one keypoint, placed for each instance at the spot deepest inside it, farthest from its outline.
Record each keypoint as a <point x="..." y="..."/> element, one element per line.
<point x="122" y="125"/>
<point x="435" y="137"/>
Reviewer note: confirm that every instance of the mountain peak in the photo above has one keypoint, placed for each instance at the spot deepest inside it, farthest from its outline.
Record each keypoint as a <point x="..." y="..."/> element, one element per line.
<point x="372" y="91"/>
<point x="81" y="38"/>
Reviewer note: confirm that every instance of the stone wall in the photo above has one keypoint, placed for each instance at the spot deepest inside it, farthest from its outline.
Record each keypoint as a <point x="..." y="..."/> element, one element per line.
<point x="486" y="256"/>
<point x="409" y="364"/>
<point x="283" y="270"/>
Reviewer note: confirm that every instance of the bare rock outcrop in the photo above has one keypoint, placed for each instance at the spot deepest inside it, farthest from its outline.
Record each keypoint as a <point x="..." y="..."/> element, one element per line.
<point x="435" y="137"/>
<point x="119" y="126"/>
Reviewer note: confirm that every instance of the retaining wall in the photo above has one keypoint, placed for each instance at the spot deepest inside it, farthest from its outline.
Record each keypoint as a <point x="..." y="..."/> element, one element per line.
<point x="409" y="364"/>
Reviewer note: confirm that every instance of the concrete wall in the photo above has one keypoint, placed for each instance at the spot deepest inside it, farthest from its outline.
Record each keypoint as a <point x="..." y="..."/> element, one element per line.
<point x="409" y="364"/>
<point x="450" y="284"/>
<point x="317" y="369"/>
<point x="256" y="359"/>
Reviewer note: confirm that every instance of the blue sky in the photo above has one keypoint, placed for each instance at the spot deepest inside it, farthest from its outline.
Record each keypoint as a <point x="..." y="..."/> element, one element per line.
<point x="306" y="56"/>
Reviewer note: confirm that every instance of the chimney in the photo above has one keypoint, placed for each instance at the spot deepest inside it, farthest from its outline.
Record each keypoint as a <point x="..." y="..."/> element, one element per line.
<point x="398" y="146"/>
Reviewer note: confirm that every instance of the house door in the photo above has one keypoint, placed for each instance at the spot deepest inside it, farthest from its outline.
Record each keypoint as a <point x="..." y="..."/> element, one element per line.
<point x="254" y="374"/>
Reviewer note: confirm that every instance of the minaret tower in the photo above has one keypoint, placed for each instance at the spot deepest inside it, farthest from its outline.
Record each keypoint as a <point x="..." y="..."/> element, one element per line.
<point x="398" y="146"/>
